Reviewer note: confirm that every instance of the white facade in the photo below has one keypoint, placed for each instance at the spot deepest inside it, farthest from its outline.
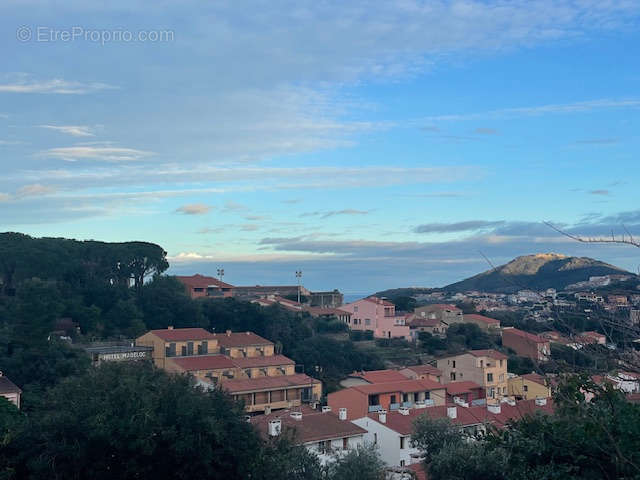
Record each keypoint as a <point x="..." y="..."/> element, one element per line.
<point x="327" y="450"/>
<point x="395" y="449"/>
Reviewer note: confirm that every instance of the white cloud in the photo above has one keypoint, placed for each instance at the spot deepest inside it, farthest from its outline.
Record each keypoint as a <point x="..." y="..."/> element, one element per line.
<point x="194" y="209"/>
<point x="35" y="190"/>
<point x="4" y="197"/>
<point x="20" y="83"/>
<point x="73" y="130"/>
<point x="105" y="154"/>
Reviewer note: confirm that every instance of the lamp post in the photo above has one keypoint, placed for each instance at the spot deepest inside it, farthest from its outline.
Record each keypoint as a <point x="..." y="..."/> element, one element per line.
<point x="220" y="273"/>
<point x="298" y="276"/>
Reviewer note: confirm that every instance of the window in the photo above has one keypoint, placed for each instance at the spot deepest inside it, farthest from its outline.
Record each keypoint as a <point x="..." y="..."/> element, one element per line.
<point x="355" y="309"/>
<point x="189" y="348"/>
<point x="427" y="395"/>
<point x="198" y="289"/>
<point x="491" y="392"/>
<point x="393" y="399"/>
<point x="453" y="376"/>
<point x="183" y="350"/>
<point x="526" y="388"/>
<point x="489" y="377"/>
<point x="402" y="463"/>
<point x="171" y="350"/>
<point x="481" y="363"/>
<point x="454" y="363"/>
<point x="403" y="441"/>
<point x="345" y="443"/>
<point x="500" y="362"/>
<point x="367" y="321"/>
<point x="405" y="397"/>
<point x="203" y="348"/>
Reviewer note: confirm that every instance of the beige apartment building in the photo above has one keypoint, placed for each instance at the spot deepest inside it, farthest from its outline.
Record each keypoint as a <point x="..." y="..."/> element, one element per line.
<point x="487" y="368"/>
<point x="179" y="342"/>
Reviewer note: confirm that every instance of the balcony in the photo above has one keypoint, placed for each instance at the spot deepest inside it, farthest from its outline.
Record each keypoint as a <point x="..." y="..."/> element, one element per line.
<point x="374" y="408"/>
<point x="394" y="406"/>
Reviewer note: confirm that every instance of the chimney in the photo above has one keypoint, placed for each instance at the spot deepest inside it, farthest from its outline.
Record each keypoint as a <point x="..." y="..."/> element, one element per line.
<point x="248" y="333"/>
<point x="170" y="327"/>
<point x="403" y="411"/>
<point x="296" y="415"/>
<point x="275" y="427"/>
<point x="452" y="412"/>
<point x="541" y="401"/>
<point x="326" y="408"/>
<point x="228" y="333"/>
<point x="382" y="416"/>
<point x="247" y="418"/>
<point x="494" y="408"/>
<point x="342" y="413"/>
<point x="267" y="410"/>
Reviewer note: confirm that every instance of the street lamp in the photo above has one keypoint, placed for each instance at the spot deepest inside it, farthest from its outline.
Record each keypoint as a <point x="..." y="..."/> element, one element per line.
<point x="298" y="276"/>
<point x="220" y="273"/>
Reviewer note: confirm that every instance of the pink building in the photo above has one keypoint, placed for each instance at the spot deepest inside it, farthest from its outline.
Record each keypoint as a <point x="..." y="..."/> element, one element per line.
<point x="379" y="316"/>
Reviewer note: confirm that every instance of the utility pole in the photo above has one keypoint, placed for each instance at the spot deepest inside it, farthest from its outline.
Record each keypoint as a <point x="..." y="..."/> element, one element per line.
<point x="220" y="273"/>
<point x="298" y="276"/>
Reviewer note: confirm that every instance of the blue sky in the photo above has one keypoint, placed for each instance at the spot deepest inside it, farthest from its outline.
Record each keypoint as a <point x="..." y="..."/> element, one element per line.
<point x="372" y="145"/>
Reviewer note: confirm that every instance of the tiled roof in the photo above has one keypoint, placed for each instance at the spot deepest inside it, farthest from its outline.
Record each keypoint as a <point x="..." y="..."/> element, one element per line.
<point x="380" y="376"/>
<point x="405" y="386"/>
<point x="529" y="336"/>
<point x="403" y="424"/>
<point x="320" y="311"/>
<point x="456" y="388"/>
<point x="314" y="426"/>
<point x="256" y="362"/>
<point x="268" y="383"/>
<point x="183" y="334"/>
<point x="534" y="377"/>
<point x="439" y="306"/>
<point x="418" y="321"/>
<point x="200" y="281"/>
<point x="425" y="370"/>
<point x="240" y="339"/>
<point x="488" y="353"/>
<point x="7" y="386"/>
<point x="481" y="318"/>
<point x="203" y="362"/>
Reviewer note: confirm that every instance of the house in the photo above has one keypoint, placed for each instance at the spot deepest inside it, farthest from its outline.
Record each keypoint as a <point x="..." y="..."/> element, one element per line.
<point x="359" y="400"/>
<point x="379" y="316"/>
<point x="465" y="393"/>
<point x="487" y="368"/>
<point x="331" y="299"/>
<point x="180" y="342"/>
<point x="322" y="432"/>
<point x="285" y="303"/>
<point x="373" y="376"/>
<point x="9" y="390"/>
<point x="391" y="431"/>
<point x="271" y="393"/>
<point x="200" y="286"/>
<point x="485" y="323"/>
<point x="444" y="312"/>
<point x="528" y="386"/>
<point x="431" y="325"/>
<point x="328" y="313"/>
<point x="243" y="344"/>
<point x="259" y="291"/>
<point x="526" y="344"/>
<point x="422" y="372"/>
<point x="592" y="338"/>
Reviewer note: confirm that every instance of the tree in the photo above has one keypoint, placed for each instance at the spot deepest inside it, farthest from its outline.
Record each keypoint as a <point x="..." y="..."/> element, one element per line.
<point x="132" y="421"/>
<point x="363" y="463"/>
<point x="431" y="436"/>
<point x="282" y="459"/>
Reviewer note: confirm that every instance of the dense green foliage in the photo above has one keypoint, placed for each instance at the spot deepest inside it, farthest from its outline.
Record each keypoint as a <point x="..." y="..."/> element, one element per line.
<point x="581" y="440"/>
<point x="362" y="464"/>
<point x="459" y="337"/>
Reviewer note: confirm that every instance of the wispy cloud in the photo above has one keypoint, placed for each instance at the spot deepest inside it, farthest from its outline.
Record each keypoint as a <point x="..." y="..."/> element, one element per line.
<point x="194" y="209"/>
<point x="558" y="108"/>
<point x="73" y="130"/>
<point x="231" y="206"/>
<point x="104" y="154"/>
<point x="600" y="192"/>
<point x="35" y="190"/>
<point x="469" y="225"/>
<point x="26" y="84"/>
<point x="4" y="197"/>
<point x="333" y="213"/>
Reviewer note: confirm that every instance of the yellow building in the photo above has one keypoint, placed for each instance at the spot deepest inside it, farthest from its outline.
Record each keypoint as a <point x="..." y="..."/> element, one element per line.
<point x="180" y="342"/>
<point x="528" y="386"/>
<point x="484" y="367"/>
<point x="243" y="344"/>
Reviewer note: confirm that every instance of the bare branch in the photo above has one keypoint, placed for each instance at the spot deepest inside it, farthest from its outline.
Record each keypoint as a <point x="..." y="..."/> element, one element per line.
<point x="624" y="241"/>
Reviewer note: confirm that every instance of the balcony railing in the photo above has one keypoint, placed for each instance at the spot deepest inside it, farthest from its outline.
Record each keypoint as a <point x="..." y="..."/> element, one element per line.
<point x="394" y="406"/>
<point x="374" y="408"/>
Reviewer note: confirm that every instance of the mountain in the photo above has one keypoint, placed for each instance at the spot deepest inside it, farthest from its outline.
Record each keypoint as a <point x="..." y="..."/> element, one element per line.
<point x="536" y="272"/>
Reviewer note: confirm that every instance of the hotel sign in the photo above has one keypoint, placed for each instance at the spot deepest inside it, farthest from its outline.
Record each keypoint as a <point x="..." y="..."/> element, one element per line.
<point x="115" y="357"/>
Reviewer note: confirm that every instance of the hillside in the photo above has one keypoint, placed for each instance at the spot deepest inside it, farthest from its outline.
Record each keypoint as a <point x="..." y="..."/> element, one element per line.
<point x="536" y="272"/>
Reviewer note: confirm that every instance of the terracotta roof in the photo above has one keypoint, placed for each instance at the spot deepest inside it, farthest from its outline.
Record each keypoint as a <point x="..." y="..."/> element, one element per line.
<point x="240" y="339"/>
<point x="481" y="318"/>
<point x="203" y="362"/>
<point x="378" y="300"/>
<point x="535" y="377"/>
<point x="314" y="426"/>
<point x="380" y="376"/>
<point x="405" y="386"/>
<point x="403" y="424"/>
<point x="496" y="355"/>
<point x="183" y="334"/>
<point x="268" y="383"/>
<point x="529" y="336"/>
<point x="201" y="281"/>
<point x="425" y="370"/>
<point x="256" y="362"/>
<point x="456" y="388"/>
<point x="418" y="321"/>
<point x="439" y="306"/>
<point x="320" y="311"/>
<point x="7" y="386"/>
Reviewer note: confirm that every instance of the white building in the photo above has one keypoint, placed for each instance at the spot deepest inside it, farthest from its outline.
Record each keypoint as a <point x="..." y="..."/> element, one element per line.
<point x="322" y="432"/>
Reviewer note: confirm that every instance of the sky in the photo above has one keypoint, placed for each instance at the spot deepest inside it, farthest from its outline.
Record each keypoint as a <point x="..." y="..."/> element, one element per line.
<point x="371" y="145"/>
